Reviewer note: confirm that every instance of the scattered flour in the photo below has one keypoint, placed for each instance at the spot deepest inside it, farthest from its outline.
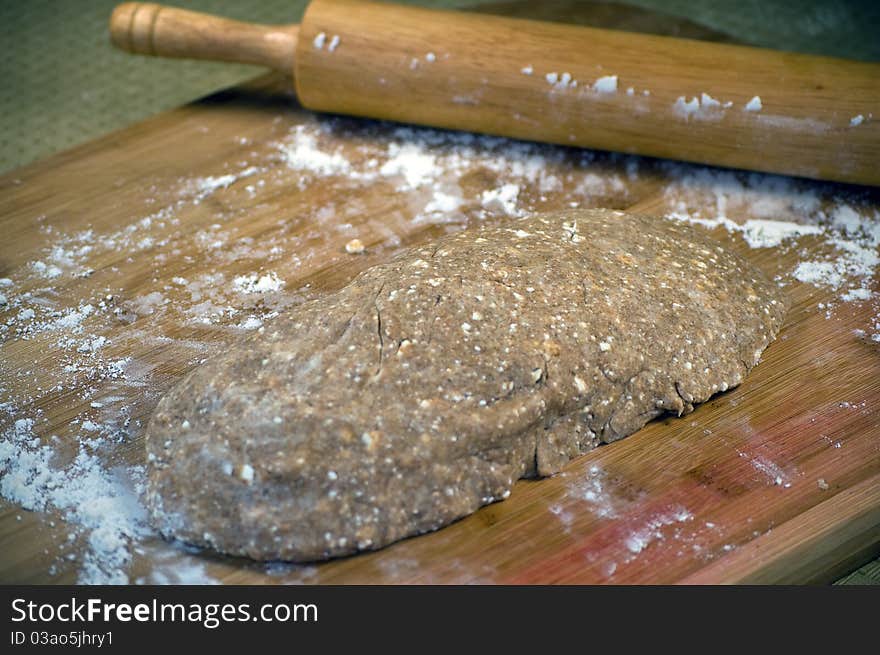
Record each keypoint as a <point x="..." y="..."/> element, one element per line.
<point x="208" y="185"/>
<point x="428" y="165"/>
<point x="251" y="323"/>
<point x="172" y="571"/>
<point x="49" y="272"/>
<point x="148" y="304"/>
<point x="754" y="104"/>
<point x="99" y="505"/>
<point x="708" y="102"/>
<point x="686" y="108"/>
<point x="703" y="108"/>
<point x="862" y="293"/>
<point x="763" y="233"/>
<point x="606" y="84"/>
<point x="256" y="283"/>
<point x="302" y="153"/>
<point x="502" y="199"/>
<point x="774" y="473"/>
<point x="856" y="259"/>
<point x="758" y="233"/>
<point x="443" y="203"/>
<point x="819" y="273"/>
<point x="355" y="247"/>
<point x="596" y="490"/>
<point x="776" y="212"/>
<point x="652" y="529"/>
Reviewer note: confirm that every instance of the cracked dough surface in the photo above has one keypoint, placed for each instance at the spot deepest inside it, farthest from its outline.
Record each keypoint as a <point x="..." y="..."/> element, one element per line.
<point x="428" y="385"/>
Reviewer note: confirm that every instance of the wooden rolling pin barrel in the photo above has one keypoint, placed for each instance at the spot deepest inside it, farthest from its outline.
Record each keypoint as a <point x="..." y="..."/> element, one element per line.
<point x="741" y="107"/>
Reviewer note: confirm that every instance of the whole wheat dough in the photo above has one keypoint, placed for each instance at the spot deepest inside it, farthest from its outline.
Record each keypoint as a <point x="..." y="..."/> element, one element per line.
<point x="428" y="385"/>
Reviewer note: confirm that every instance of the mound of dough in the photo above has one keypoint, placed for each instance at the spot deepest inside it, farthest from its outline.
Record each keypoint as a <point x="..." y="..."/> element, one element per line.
<point x="429" y="384"/>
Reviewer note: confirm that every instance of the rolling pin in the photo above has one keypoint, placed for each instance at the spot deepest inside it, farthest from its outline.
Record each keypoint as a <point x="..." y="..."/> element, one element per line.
<point x="718" y="104"/>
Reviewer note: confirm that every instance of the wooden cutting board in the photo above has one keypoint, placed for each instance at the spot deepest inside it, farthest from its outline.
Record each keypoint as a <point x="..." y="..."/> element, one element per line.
<point x="187" y="230"/>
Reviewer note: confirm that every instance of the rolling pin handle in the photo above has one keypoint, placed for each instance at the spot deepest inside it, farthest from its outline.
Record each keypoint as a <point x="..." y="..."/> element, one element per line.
<point x="145" y="28"/>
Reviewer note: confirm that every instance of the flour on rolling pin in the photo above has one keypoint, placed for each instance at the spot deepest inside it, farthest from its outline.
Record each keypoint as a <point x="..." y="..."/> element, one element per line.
<point x="416" y="66"/>
<point x="447" y="180"/>
<point x="703" y="107"/>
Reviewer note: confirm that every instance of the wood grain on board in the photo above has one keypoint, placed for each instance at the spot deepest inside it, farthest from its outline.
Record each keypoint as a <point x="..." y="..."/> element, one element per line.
<point x="775" y="481"/>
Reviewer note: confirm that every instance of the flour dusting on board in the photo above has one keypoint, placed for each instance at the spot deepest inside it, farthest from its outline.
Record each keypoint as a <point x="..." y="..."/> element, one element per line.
<point x="652" y="529"/>
<point x="754" y="104"/>
<point x="101" y="506"/>
<point x="82" y="305"/>
<point x="599" y="492"/>
<point x="771" y="211"/>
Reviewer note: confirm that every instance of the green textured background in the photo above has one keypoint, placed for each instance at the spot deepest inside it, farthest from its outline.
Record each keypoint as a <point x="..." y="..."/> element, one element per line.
<point x="63" y="84"/>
